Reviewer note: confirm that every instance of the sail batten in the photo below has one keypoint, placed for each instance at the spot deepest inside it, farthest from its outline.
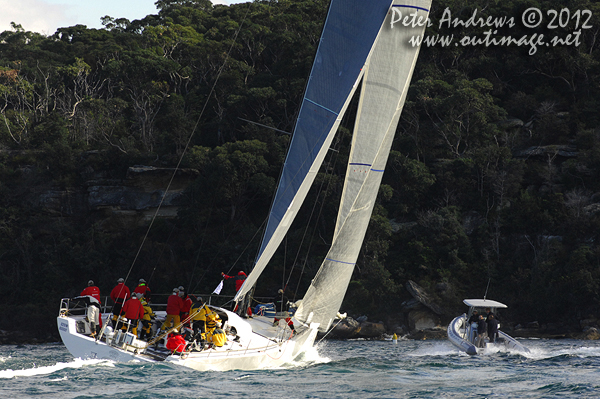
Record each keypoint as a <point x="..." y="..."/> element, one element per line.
<point x="322" y="106"/>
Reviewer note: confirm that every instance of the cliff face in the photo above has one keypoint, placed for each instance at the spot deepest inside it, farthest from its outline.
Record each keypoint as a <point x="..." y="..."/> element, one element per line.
<point x="120" y="203"/>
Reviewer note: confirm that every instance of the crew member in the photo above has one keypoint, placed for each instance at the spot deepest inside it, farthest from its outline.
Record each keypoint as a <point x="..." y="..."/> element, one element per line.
<point x="143" y="289"/>
<point x="198" y="312"/>
<point x="149" y="316"/>
<point x="186" y="306"/>
<point x="492" y="328"/>
<point x="481" y="331"/>
<point x="212" y="318"/>
<point x="218" y="337"/>
<point x="175" y="342"/>
<point x="174" y="305"/>
<point x="239" y="279"/>
<point x="134" y="312"/>
<point x="92" y="291"/>
<point x="282" y="306"/>
<point x="473" y="322"/>
<point x="118" y="295"/>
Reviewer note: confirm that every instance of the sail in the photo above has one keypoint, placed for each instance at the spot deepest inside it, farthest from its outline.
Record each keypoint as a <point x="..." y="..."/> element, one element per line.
<point x="385" y="84"/>
<point x="347" y="39"/>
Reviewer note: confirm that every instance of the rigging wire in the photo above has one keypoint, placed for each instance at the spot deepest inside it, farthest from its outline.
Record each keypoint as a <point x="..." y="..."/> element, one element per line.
<point x="200" y="250"/>
<point x="189" y="140"/>
<point x="160" y="255"/>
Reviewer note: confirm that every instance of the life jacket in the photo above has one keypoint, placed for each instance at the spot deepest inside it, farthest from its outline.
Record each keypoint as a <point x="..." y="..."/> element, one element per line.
<point x="211" y="320"/>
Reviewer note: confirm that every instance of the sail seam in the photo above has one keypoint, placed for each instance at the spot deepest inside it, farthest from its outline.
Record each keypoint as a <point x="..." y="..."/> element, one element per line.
<point x="415" y="7"/>
<point x="321" y="106"/>
<point x="339" y="261"/>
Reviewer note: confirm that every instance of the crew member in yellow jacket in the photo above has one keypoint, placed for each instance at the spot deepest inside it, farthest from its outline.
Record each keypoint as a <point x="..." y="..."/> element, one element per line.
<point x="149" y="316"/>
<point x="218" y="336"/>
<point x="198" y="314"/>
<point x="212" y="318"/>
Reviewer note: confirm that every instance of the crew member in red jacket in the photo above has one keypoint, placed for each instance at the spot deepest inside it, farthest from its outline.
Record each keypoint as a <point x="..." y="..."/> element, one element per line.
<point x="134" y="312"/>
<point x="239" y="279"/>
<point x="175" y="342"/>
<point x="143" y="289"/>
<point x="94" y="292"/>
<point x="185" y="308"/>
<point x="174" y="305"/>
<point x="118" y="295"/>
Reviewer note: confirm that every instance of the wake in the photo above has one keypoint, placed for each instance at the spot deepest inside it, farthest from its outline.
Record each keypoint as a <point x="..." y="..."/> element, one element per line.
<point x="573" y="351"/>
<point x="35" y="371"/>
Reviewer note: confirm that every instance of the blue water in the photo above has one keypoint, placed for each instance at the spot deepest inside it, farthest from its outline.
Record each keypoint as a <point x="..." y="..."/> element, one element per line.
<point x="336" y="369"/>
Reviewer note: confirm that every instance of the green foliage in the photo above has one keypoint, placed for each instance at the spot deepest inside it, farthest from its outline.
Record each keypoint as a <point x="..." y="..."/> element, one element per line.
<point x="494" y="173"/>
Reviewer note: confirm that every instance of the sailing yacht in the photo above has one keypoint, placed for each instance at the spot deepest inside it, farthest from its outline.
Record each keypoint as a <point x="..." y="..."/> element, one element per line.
<point x="363" y="44"/>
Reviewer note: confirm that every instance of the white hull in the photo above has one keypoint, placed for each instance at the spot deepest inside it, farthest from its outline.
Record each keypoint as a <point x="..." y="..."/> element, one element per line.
<point x="260" y="346"/>
<point x="459" y="335"/>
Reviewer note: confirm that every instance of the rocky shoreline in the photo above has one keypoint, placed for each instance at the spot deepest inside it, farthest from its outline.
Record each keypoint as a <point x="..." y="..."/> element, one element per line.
<point x="419" y="318"/>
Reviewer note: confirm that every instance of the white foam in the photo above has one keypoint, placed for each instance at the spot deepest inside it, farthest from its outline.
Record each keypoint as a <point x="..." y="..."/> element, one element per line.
<point x="75" y="364"/>
<point x="438" y="349"/>
<point x="309" y="357"/>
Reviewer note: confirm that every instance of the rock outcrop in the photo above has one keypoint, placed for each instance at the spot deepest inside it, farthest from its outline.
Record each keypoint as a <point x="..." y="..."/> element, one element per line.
<point x="350" y="328"/>
<point x="121" y="203"/>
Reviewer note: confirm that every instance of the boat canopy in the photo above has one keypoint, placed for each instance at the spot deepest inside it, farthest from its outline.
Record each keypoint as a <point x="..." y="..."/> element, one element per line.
<point x="483" y="303"/>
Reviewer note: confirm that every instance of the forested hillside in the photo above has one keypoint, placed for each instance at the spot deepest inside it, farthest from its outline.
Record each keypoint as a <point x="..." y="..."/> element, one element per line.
<point x="494" y="175"/>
